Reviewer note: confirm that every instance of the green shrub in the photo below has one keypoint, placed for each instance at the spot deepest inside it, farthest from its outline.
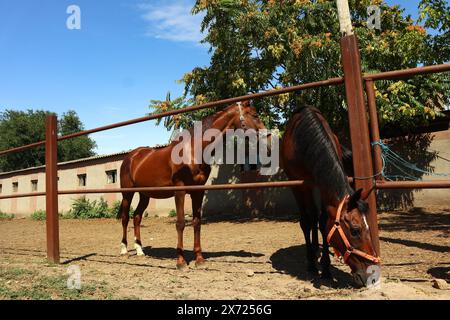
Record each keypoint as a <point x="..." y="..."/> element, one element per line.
<point x="6" y="216"/>
<point x="83" y="208"/>
<point x="172" y="213"/>
<point x="116" y="207"/>
<point x="39" y="215"/>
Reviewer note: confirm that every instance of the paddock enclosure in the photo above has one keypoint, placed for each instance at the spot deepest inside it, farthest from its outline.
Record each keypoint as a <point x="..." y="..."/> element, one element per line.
<point x="246" y="259"/>
<point x="367" y="161"/>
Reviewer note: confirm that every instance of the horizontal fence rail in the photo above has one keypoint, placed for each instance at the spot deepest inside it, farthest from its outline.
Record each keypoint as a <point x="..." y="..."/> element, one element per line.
<point x="435" y="184"/>
<point x="332" y="81"/>
<point x="23" y="195"/>
<point x="390" y="75"/>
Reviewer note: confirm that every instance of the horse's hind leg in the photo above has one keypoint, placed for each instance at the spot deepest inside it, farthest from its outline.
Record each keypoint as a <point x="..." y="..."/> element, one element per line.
<point x="179" y="203"/>
<point x="325" y="259"/>
<point x="124" y="214"/>
<point x="143" y="203"/>
<point x="314" y="214"/>
<point x="197" y="199"/>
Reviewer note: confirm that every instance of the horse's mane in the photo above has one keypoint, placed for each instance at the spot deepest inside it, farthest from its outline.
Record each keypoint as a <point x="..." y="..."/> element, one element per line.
<point x="209" y="120"/>
<point x="314" y="148"/>
<point x="206" y="123"/>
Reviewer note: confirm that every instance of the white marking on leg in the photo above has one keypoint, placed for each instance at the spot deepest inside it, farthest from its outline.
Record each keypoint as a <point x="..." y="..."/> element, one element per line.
<point x="139" y="250"/>
<point x="123" y="249"/>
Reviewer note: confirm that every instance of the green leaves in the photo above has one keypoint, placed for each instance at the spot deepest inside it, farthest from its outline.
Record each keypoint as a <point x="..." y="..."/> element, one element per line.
<point x="265" y="44"/>
<point x="18" y="128"/>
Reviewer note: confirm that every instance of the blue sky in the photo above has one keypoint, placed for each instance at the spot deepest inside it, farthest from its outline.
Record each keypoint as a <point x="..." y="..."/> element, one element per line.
<point x="125" y="54"/>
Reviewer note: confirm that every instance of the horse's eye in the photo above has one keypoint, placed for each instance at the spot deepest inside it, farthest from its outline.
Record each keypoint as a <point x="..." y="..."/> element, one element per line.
<point x="355" y="231"/>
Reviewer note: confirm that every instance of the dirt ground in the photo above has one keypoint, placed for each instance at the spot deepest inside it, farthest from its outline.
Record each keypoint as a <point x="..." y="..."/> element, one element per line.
<point x="257" y="259"/>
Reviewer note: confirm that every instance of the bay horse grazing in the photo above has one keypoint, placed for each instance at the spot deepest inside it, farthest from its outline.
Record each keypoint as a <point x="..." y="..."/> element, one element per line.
<point x="154" y="167"/>
<point x="311" y="152"/>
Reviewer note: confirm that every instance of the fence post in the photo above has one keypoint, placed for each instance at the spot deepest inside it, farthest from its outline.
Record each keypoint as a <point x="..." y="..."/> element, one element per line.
<point x="358" y="122"/>
<point x="359" y="128"/>
<point x="51" y="188"/>
<point x="374" y="128"/>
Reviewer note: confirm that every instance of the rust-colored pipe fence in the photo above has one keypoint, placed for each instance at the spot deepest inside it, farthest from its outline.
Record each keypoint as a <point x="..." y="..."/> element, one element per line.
<point x="433" y="184"/>
<point x="359" y="129"/>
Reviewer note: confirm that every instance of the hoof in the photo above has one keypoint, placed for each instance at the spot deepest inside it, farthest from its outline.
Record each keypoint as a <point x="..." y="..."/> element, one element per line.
<point x="182" y="266"/>
<point x="139" y="251"/>
<point x="123" y="249"/>
<point x="200" y="263"/>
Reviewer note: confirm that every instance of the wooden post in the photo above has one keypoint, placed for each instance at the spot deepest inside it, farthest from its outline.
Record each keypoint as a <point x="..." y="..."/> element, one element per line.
<point x="51" y="188"/>
<point x="359" y="129"/>
<point x="374" y="128"/>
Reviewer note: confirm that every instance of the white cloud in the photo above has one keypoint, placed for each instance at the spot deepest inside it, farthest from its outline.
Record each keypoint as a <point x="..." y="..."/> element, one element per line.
<point x="172" y="20"/>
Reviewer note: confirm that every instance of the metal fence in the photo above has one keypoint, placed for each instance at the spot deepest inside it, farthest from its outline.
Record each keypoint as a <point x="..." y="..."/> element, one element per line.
<point x="354" y="82"/>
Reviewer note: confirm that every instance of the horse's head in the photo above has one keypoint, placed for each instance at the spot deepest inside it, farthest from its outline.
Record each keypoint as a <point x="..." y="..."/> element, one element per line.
<point x="348" y="232"/>
<point x="246" y="117"/>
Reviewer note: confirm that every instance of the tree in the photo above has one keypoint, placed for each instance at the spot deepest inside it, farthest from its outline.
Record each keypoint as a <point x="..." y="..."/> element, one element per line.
<point x="435" y="15"/>
<point x="19" y="128"/>
<point x="264" y="44"/>
<point x="71" y="149"/>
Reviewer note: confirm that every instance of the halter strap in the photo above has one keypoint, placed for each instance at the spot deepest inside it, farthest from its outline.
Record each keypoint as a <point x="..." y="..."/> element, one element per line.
<point x="348" y="246"/>
<point x="241" y="112"/>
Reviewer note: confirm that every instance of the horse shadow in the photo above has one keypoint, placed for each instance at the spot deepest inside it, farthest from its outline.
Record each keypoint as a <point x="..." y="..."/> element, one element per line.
<point x="171" y="253"/>
<point x="292" y="260"/>
<point x="440" y="273"/>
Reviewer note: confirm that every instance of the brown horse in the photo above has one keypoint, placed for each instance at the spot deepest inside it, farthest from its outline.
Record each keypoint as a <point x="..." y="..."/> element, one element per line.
<point x="311" y="152"/>
<point x="151" y="167"/>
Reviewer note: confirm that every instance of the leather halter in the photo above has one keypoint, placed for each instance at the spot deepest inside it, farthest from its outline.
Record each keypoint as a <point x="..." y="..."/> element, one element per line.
<point x="349" y="249"/>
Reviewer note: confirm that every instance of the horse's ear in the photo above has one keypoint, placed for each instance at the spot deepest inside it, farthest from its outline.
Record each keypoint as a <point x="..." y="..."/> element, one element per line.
<point x="353" y="201"/>
<point x="246" y="103"/>
<point x="366" y="193"/>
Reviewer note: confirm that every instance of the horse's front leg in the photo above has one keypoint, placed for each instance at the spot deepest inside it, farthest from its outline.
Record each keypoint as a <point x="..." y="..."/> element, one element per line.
<point x="197" y="199"/>
<point x="179" y="203"/>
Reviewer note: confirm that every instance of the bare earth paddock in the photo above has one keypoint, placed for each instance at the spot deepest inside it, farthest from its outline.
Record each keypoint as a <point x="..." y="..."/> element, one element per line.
<point x="258" y="259"/>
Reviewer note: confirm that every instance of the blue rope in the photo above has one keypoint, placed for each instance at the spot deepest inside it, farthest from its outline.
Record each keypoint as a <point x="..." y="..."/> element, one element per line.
<point x="390" y="157"/>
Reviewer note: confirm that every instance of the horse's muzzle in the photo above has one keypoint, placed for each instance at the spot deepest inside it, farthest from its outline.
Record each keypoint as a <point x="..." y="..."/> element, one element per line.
<point x="360" y="278"/>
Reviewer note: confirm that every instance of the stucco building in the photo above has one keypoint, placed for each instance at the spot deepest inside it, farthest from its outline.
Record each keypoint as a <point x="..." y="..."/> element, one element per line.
<point x="104" y="172"/>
